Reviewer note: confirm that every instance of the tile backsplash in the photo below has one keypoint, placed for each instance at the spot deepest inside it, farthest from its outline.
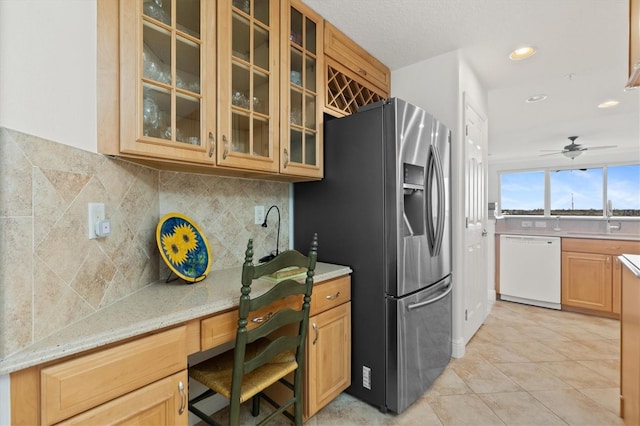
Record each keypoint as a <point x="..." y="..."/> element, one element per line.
<point x="52" y="275"/>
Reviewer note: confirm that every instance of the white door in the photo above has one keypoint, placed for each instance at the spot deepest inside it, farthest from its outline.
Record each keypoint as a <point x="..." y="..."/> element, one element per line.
<point x="475" y="255"/>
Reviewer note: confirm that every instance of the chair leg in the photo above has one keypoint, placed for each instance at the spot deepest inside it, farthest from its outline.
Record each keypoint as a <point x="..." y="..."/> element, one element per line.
<point x="255" y="405"/>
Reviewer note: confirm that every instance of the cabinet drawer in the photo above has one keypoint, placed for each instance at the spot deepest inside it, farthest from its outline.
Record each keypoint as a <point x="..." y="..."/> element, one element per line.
<point x="82" y="383"/>
<point x="161" y="403"/>
<point x="613" y="247"/>
<point x="330" y="294"/>
<point x="344" y="50"/>
<point x="221" y="328"/>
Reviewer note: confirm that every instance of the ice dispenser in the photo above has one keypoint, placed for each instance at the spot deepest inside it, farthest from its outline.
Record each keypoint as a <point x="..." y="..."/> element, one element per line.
<point x="414" y="202"/>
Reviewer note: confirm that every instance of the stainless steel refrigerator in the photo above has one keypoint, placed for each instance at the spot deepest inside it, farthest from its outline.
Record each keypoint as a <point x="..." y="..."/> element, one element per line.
<point x="383" y="208"/>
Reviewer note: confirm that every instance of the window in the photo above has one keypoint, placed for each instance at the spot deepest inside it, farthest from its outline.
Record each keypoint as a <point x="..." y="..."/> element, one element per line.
<point x="522" y="193"/>
<point x="623" y="189"/>
<point x="576" y="192"/>
<point x="572" y="192"/>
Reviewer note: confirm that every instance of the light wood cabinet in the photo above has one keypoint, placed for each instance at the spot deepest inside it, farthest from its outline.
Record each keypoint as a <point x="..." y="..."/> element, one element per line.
<point x="167" y="106"/>
<point x="155" y="404"/>
<point x="354" y="77"/>
<point x="630" y="349"/>
<point x="591" y="274"/>
<point x="100" y="384"/>
<point x="248" y="84"/>
<point x="301" y="96"/>
<point x="328" y="362"/>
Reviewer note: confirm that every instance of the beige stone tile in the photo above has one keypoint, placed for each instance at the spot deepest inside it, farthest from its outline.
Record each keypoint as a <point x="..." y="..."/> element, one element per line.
<point x="94" y="276"/>
<point x="448" y="384"/>
<point x="52" y="155"/>
<point x="577" y="375"/>
<point x="16" y="284"/>
<point x="576" y="408"/>
<point x="520" y="408"/>
<point x="579" y="350"/>
<point x="608" y="398"/>
<point x="48" y="205"/>
<point x="348" y="410"/>
<point x="493" y="351"/>
<point x="15" y="178"/>
<point x="117" y="175"/>
<point x="482" y="377"/>
<point x="531" y="376"/>
<point x="609" y="368"/>
<point x="418" y="413"/>
<point x="56" y="305"/>
<point x="535" y="351"/>
<point x="463" y="410"/>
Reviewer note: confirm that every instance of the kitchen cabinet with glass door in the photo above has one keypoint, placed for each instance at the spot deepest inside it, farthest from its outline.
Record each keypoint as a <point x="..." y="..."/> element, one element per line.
<point x="248" y="84"/>
<point x="167" y="106"/>
<point x="301" y="95"/>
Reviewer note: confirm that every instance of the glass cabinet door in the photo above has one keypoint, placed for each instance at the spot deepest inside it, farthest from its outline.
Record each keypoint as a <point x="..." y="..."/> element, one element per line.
<point x="164" y="59"/>
<point x="248" y="81"/>
<point x="302" y="91"/>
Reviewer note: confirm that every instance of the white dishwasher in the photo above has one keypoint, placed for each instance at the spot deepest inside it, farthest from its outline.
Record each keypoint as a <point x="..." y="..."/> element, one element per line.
<point x="530" y="270"/>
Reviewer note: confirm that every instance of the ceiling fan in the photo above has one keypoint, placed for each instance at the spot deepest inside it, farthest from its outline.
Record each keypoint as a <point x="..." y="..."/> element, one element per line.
<point x="575" y="149"/>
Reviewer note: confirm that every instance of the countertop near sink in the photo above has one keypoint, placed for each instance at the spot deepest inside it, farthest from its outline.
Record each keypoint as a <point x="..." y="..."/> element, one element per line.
<point x="154" y="307"/>
<point x="631" y="261"/>
<point x="571" y="234"/>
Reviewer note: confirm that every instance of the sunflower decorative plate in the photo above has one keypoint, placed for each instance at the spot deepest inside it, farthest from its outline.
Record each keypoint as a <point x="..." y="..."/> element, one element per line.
<point x="183" y="247"/>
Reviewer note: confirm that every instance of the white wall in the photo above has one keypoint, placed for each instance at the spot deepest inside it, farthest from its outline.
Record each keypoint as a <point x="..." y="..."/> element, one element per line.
<point x="437" y="85"/>
<point x="48" y="72"/>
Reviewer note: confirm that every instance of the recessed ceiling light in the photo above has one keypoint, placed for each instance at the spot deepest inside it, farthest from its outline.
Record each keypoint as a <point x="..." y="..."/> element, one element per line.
<point x="608" y="104"/>
<point x="522" y="53"/>
<point x="536" y="98"/>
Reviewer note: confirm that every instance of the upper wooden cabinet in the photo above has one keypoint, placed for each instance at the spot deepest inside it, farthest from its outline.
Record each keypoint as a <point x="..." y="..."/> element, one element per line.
<point x="167" y="106"/>
<point x="248" y="82"/>
<point x="301" y="96"/>
<point x="354" y="77"/>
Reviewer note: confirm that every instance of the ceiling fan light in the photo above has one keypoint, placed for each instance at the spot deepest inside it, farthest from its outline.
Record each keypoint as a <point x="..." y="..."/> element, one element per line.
<point x="522" y="53"/>
<point x="571" y="154"/>
<point x="536" y="98"/>
<point x="608" y="104"/>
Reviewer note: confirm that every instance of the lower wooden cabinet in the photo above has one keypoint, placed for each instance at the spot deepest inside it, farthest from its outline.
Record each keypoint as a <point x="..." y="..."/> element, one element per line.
<point x="592" y="274"/>
<point x="587" y="281"/>
<point x="630" y="349"/>
<point x="161" y="403"/>
<point x="328" y="357"/>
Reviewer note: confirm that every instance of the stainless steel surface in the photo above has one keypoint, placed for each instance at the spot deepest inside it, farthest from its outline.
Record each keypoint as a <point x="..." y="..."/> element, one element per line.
<point x="383" y="208"/>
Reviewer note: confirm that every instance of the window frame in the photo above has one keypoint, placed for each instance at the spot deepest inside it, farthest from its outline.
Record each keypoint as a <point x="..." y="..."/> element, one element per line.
<point x="547" y="188"/>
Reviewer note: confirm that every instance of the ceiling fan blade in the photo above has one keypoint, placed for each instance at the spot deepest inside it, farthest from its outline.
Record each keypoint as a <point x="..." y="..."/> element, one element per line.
<point x="603" y="147"/>
<point x="552" y="153"/>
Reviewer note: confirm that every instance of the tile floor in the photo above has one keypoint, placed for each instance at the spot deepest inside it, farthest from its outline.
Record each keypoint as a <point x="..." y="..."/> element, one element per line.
<point x="525" y="366"/>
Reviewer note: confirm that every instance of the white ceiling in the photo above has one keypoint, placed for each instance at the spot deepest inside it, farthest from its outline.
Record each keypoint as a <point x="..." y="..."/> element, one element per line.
<point x="581" y="61"/>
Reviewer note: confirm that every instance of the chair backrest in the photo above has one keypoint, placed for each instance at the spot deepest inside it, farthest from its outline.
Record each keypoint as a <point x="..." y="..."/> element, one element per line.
<point x="282" y="318"/>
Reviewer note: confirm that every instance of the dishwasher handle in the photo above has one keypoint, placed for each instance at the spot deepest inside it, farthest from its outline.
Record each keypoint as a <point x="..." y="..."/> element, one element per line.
<point x="430" y="301"/>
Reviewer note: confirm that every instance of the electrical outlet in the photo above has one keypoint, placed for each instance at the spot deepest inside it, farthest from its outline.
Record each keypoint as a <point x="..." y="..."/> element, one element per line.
<point x="541" y="224"/>
<point x="96" y="214"/>
<point x="258" y="212"/>
<point x="526" y="224"/>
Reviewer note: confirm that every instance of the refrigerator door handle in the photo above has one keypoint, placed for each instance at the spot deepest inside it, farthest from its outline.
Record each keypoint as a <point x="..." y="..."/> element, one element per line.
<point x="435" y="232"/>
<point x="430" y="301"/>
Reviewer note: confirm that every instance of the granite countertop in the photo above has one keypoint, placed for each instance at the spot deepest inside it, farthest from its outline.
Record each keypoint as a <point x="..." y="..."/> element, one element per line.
<point x="570" y="234"/>
<point x="154" y="307"/>
<point x="631" y="261"/>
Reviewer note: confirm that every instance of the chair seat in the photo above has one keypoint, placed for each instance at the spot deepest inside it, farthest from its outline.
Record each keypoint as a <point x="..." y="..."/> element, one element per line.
<point x="216" y="373"/>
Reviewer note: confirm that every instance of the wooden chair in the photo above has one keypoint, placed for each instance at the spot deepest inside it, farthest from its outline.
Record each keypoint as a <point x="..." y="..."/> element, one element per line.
<point x="257" y="361"/>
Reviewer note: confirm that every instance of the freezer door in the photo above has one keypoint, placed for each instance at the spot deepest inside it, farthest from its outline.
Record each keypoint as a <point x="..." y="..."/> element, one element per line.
<point x="419" y="343"/>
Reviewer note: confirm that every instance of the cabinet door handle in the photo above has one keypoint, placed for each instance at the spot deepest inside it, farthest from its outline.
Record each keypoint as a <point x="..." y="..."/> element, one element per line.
<point x="212" y="144"/>
<point x="226" y="147"/>
<point x="362" y="71"/>
<point x="333" y="296"/>
<point x="286" y="158"/>
<point x="315" y="328"/>
<point x="183" y="398"/>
